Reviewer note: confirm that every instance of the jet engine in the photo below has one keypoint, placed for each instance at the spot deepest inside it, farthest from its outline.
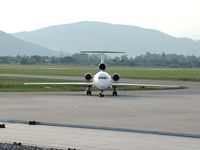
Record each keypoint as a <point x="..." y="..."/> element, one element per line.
<point x="102" y="66"/>
<point x="88" y="76"/>
<point x="115" y="77"/>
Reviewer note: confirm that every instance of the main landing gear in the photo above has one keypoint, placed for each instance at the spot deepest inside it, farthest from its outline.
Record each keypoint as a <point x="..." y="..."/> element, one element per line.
<point x="101" y="94"/>
<point x="115" y="91"/>
<point x="88" y="91"/>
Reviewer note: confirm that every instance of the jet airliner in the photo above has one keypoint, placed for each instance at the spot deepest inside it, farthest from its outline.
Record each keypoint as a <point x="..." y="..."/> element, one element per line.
<point x="101" y="80"/>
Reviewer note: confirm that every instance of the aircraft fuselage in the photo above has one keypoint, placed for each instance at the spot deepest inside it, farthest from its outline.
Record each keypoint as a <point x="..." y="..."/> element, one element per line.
<point x="102" y="80"/>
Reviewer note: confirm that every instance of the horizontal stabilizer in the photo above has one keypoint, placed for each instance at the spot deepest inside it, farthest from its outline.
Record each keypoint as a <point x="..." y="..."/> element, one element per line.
<point x="101" y="52"/>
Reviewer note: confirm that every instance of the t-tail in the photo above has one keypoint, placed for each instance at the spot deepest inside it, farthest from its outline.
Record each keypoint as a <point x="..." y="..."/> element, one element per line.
<point x="102" y="53"/>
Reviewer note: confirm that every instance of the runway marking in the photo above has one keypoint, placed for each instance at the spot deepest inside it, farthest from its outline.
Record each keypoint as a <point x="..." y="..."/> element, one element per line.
<point x="186" y="135"/>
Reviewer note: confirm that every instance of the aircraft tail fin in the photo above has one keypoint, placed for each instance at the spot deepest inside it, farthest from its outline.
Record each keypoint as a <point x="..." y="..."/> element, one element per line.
<point x="102" y="53"/>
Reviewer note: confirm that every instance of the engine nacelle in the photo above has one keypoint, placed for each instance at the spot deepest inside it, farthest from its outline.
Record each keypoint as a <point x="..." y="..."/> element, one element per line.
<point x="88" y="76"/>
<point x="102" y="66"/>
<point x="115" y="77"/>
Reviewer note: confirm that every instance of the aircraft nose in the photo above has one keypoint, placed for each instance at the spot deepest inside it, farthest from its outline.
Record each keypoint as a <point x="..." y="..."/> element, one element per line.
<point x="103" y="85"/>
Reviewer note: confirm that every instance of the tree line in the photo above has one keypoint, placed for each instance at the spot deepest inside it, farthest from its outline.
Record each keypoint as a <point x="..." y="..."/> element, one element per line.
<point x="148" y="59"/>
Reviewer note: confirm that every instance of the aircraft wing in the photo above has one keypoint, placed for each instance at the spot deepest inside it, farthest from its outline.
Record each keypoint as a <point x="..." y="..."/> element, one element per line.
<point x="63" y="83"/>
<point x="143" y="85"/>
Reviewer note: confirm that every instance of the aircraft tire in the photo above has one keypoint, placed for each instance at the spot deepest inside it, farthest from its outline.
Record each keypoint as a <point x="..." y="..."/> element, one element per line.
<point x="115" y="93"/>
<point x="101" y="94"/>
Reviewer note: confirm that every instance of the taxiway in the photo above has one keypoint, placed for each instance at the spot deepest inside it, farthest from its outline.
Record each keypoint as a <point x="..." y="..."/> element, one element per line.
<point x="174" y="111"/>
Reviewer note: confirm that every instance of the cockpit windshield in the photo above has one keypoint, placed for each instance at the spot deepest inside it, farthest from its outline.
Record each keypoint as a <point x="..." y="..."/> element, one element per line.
<point x="102" y="77"/>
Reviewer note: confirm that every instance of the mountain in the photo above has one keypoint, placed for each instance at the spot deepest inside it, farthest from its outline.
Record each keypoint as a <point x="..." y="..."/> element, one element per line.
<point x="104" y="36"/>
<point x="10" y="45"/>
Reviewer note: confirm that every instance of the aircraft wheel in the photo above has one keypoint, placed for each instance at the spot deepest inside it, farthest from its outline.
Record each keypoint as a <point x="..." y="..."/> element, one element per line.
<point x="114" y="93"/>
<point x="88" y="92"/>
<point x="101" y="94"/>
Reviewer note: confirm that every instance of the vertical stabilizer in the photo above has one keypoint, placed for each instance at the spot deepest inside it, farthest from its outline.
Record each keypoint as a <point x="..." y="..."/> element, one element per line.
<point x="101" y="52"/>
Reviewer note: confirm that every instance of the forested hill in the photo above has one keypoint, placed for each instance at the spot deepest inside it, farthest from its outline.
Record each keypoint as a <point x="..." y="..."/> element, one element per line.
<point x="10" y="45"/>
<point x="149" y="59"/>
<point x="104" y="36"/>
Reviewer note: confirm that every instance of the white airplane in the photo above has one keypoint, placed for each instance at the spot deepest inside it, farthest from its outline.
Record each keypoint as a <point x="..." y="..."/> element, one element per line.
<point x="101" y="80"/>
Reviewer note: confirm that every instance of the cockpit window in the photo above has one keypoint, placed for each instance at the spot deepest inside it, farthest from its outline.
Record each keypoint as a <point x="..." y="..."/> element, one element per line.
<point x="102" y="78"/>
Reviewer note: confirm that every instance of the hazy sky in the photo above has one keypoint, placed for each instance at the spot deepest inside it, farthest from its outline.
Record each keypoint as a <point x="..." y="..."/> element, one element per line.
<point x="175" y="17"/>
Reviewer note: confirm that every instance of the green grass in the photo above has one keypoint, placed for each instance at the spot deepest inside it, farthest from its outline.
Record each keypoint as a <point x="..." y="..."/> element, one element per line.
<point x="125" y="72"/>
<point x="159" y="74"/>
<point x="8" y="84"/>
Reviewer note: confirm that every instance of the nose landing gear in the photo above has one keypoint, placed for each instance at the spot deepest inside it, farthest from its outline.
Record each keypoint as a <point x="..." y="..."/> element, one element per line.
<point x="101" y="94"/>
